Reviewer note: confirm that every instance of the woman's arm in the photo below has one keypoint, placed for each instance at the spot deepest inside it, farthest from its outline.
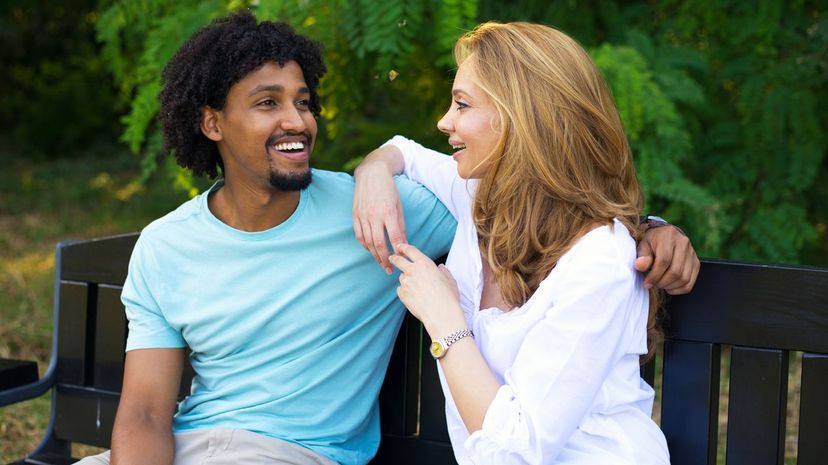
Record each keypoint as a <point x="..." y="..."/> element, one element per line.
<point x="561" y="363"/>
<point x="377" y="208"/>
<point x="430" y="293"/>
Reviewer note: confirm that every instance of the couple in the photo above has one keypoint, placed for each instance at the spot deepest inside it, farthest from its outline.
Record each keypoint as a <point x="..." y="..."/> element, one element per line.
<point x="287" y="320"/>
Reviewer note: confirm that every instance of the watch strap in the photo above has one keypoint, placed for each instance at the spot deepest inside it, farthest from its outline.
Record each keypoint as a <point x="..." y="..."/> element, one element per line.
<point x="447" y="341"/>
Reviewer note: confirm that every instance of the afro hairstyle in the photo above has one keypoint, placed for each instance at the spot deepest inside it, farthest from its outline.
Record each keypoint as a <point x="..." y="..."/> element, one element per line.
<point x="209" y="63"/>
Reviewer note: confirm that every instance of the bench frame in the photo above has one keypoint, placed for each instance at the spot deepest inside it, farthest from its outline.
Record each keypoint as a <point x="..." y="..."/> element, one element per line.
<point x="764" y="313"/>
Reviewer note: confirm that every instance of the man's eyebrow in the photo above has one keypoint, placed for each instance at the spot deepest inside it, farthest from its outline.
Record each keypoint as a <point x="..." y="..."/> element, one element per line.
<point x="275" y="88"/>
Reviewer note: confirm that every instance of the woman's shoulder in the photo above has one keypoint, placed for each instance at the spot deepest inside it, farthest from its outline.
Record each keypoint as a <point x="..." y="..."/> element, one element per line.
<point x="606" y="248"/>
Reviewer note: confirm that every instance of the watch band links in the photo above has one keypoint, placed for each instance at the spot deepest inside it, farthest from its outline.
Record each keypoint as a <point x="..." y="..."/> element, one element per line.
<point x="439" y="347"/>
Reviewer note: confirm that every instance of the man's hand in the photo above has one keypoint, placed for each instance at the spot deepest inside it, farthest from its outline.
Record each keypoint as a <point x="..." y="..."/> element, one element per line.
<point x="668" y="259"/>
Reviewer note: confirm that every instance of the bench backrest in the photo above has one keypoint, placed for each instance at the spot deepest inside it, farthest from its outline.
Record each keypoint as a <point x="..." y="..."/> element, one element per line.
<point x="764" y="312"/>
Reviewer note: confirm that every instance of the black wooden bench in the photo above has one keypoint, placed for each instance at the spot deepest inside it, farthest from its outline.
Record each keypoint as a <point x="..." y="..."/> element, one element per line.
<point x="762" y="313"/>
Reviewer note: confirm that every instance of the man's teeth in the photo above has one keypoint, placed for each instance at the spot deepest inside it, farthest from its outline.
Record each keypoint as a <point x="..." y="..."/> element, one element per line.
<point x="289" y="146"/>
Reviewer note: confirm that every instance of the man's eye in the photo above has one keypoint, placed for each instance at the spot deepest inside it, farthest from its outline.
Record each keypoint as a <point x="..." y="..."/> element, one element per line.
<point x="304" y="103"/>
<point x="267" y="103"/>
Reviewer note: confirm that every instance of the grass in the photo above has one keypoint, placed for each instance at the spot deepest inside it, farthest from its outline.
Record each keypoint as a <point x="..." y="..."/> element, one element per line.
<point x="40" y="204"/>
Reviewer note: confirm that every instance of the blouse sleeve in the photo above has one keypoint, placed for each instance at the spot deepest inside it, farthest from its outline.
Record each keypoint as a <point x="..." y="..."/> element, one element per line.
<point x="437" y="172"/>
<point x="563" y="362"/>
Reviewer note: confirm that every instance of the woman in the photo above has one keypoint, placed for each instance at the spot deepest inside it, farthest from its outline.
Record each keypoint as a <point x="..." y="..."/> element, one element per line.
<point x="538" y="340"/>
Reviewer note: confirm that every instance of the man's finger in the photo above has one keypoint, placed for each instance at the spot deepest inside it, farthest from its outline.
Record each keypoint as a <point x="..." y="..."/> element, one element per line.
<point x="644" y="259"/>
<point x="643" y="263"/>
<point x="661" y="263"/>
<point x="672" y="279"/>
<point x="688" y="281"/>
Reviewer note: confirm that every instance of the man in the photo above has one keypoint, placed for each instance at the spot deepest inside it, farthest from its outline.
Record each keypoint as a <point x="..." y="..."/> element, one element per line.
<point x="287" y="320"/>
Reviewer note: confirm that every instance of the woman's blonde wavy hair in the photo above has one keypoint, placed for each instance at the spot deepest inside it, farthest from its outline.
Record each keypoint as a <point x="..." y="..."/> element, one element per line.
<point x="562" y="164"/>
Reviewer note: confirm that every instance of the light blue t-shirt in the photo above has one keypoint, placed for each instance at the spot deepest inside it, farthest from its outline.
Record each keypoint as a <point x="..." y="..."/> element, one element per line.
<point x="290" y="328"/>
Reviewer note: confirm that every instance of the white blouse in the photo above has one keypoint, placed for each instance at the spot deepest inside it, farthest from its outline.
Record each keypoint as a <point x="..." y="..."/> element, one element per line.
<point x="567" y="360"/>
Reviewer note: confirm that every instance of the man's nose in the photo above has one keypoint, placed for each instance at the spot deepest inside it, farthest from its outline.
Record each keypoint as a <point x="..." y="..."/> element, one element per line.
<point x="292" y="120"/>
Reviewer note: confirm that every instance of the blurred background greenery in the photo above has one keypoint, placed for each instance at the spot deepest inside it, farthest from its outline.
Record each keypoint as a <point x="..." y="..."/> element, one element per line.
<point x="723" y="102"/>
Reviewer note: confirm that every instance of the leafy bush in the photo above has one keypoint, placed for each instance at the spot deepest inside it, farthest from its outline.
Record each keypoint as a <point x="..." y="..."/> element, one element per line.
<point x="720" y="99"/>
<point x="59" y="98"/>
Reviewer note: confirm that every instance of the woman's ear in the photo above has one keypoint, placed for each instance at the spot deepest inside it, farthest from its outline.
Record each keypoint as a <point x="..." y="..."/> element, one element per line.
<point x="210" y="124"/>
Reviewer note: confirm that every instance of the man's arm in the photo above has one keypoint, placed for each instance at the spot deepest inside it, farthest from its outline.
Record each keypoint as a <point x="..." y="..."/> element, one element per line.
<point x="143" y="425"/>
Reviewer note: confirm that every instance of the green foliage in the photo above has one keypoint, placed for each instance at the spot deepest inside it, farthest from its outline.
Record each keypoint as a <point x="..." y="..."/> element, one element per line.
<point x="57" y="97"/>
<point x="140" y="37"/>
<point x="721" y="99"/>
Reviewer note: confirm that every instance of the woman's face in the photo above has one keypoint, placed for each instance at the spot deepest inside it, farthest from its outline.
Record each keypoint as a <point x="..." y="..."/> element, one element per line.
<point x="471" y="123"/>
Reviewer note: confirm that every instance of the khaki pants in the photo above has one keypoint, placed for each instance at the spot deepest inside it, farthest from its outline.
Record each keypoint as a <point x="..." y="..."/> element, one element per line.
<point x="231" y="447"/>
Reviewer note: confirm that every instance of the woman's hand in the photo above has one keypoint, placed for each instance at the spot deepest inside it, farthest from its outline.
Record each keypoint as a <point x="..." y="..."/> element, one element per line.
<point x="428" y="291"/>
<point x="377" y="208"/>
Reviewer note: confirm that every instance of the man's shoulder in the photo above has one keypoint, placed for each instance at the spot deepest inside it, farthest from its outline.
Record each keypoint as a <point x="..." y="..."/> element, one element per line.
<point x="173" y="219"/>
<point x="331" y="180"/>
<point x="414" y="193"/>
<point x="334" y="184"/>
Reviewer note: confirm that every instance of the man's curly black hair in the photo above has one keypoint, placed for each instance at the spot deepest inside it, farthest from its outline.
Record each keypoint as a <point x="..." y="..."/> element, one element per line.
<point x="204" y="69"/>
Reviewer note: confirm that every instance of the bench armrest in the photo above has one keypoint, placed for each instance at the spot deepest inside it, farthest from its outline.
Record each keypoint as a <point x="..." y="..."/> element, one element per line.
<point x="18" y="381"/>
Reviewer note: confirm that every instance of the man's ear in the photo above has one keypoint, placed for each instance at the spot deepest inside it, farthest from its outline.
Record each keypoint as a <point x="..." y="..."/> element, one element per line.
<point x="210" y="124"/>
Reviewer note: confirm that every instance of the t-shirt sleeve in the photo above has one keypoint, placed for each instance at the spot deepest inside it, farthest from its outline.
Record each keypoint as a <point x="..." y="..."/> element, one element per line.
<point x="148" y="329"/>
<point x="429" y="225"/>
<point x="437" y="172"/>
<point x="561" y="365"/>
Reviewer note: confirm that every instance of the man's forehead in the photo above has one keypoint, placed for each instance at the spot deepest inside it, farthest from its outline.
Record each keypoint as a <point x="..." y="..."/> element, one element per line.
<point x="274" y="77"/>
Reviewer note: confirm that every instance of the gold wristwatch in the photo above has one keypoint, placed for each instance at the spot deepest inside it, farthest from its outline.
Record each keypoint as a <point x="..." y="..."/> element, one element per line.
<point x="439" y="347"/>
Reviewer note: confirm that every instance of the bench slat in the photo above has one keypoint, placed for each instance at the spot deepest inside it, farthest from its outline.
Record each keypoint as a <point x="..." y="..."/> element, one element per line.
<point x="99" y="261"/>
<point x="395" y="450"/>
<point x="690" y="401"/>
<point x="750" y="305"/>
<point x="432" y="401"/>
<point x="110" y="339"/>
<point x="399" y="396"/>
<point x="85" y="415"/>
<point x="813" y="410"/>
<point x="757" y="406"/>
<point x="72" y="333"/>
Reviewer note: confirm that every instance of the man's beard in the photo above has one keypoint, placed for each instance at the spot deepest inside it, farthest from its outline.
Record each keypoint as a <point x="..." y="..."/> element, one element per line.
<point x="290" y="181"/>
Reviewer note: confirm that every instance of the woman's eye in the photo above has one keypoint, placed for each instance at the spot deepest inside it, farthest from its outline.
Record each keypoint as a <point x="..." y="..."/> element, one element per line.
<point x="461" y="105"/>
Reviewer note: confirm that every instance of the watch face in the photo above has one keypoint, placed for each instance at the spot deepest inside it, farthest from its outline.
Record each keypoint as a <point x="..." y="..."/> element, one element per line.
<point x="436" y="350"/>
